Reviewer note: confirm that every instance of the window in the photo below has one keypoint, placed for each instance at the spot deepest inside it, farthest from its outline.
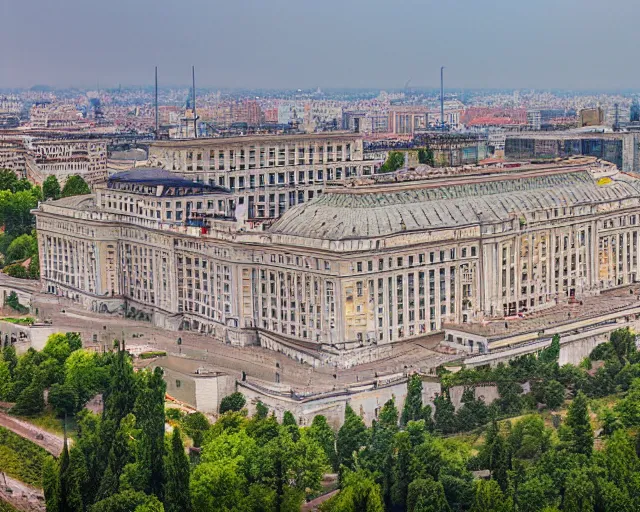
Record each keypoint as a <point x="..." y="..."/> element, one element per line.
<point x="178" y="383"/>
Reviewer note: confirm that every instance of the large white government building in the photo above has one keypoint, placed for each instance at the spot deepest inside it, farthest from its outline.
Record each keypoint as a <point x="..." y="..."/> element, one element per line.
<point x="341" y="277"/>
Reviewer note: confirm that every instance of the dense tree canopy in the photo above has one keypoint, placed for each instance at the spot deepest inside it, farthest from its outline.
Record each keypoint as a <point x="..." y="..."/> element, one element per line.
<point x="75" y="186"/>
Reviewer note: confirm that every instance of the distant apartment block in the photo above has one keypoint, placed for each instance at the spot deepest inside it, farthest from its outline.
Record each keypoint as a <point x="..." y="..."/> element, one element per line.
<point x="620" y="148"/>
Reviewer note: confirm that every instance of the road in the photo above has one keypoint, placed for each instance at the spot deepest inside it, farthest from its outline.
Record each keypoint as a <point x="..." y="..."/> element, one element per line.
<point x="50" y="442"/>
<point x="22" y="496"/>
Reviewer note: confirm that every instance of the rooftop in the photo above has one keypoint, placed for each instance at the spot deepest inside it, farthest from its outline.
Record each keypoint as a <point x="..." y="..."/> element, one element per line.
<point x="186" y="143"/>
<point x="564" y="312"/>
<point x="392" y="208"/>
<point x="154" y="177"/>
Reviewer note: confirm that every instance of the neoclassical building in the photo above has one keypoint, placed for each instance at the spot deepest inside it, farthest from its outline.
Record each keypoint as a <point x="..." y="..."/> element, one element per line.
<point x="267" y="173"/>
<point x="369" y="263"/>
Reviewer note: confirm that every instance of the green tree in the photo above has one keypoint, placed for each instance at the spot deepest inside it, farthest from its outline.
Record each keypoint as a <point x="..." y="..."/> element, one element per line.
<point x="262" y="411"/>
<point x="128" y="501"/>
<point x="425" y="156"/>
<point x="529" y="438"/>
<point x="426" y="495"/>
<point x="21" y="248"/>
<point x="57" y="347"/>
<point x="488" y="497"/>
<point x="150" y="421"/>
<point x="31" y="400"/>
<point x="579" y="425"/>
<point x="176" y="484"/>
<point x="14" y="303"/>
<point x="554" y="394"/>
<point x="579" y="494"/>
<point x="234" y="402"/>
<point x="536" y="493"/>
<point x="510" y="401"/>
<point x="8" y="180"/>
<point x="401" y="469"/>
<point x="289" y="422"/>
<point x="472" y="413"/>
<point x="16" y="270"/>
<point x="84" y="375"/>
<point x="394" y="161"/>
<point x="351" y="437"/>
<point x="51" y="188"/>
<point x="379" y="455"/>
<point x="494" y="455"/>
<point x="6" y="381"/>
<point x="623" y="342"/>
<point x="50" y="484"/>
<point x="445" y="414"/>
<point x="621" y="460"/>
<point x="551" y="354"/>
<point x="10" y="357"/>
<point x="195" y="425"/>
<point x="359" y="493"/>
<point x="628" y="409"/>
<point x="412" y="409"/>
<point x="321" y="433"/>
<point x="64" y="399"/>
<point x="121" y="454"/>
<point x="15" y="212"/>
<point x="72" y="478"/>
<point x="34" y="265"/>
<point x="75" y="186"/>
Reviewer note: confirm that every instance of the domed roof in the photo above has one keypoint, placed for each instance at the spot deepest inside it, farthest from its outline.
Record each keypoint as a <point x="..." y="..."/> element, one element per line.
<point x="356" y="213"/>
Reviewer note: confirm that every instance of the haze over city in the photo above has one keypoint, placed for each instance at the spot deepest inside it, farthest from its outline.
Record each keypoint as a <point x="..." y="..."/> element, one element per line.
<point x="570" y="44"/>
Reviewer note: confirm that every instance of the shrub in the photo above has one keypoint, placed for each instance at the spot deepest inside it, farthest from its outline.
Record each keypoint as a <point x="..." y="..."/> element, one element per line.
<point x="234" y="402"/>
<point x="16" y="270"/>
<point x="151" y="354"/>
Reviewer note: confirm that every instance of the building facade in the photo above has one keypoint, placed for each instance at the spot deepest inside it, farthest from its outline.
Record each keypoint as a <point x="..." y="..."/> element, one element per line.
<point x="267" y="174"/>
<point x="621" y="148"/>
<point x="340" y="278"/>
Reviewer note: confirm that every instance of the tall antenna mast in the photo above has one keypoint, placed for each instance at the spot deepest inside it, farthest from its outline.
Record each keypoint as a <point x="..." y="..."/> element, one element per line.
<point x="157" y="131"/>
<point x="195" y="118"/>
<point x="442" y="97"/>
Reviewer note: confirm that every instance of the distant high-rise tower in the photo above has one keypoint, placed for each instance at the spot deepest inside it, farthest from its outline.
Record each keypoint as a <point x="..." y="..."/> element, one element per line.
<point x="635" y="111"/>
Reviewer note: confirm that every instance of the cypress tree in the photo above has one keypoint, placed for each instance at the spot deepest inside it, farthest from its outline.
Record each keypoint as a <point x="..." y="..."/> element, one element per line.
<point x="150" y="420"/>
<point x="401" y="470"/>
<point x="176" y="485"/>
<point x="50" y="485"/>
<point x="412" y="409"/>
<point x="321" y="433"/>
<point x="351" y="437"/>
<point x="581" y="432"/>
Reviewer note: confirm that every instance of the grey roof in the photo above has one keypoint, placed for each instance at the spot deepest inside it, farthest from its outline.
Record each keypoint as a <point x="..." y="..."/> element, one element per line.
<point x="343" y="216"/>
<point x="156" y="177"/>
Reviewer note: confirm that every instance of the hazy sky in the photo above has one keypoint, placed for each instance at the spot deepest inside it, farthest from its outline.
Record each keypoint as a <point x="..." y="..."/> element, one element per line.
<point x="327" y="43"/>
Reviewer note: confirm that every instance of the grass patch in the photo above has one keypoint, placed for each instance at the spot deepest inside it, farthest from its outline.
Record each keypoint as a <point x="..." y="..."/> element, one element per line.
<point x="5" y="507"/>
<point x="21" y="459"/>
<point x="27" y="320"/>
<point x="151" y="354"/>
<point x="48" y="421"/>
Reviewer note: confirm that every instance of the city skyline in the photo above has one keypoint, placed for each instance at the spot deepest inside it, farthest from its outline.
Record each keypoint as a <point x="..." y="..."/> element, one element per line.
<point x="333" y="45"/>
